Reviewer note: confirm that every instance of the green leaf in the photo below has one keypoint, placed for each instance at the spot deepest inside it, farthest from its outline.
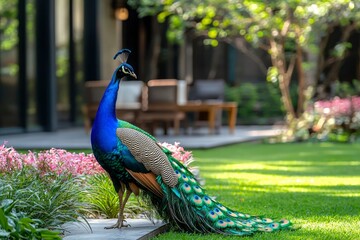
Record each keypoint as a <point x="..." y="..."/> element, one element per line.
<point x="214" y="43"/>
<point x="272" y="75"/>
<point x="213" y="33"/>
<point x="206" y="21"/>
<point x="4" y="233"/>
<point x="3" y="220"/>
<point x="162" y="16"/>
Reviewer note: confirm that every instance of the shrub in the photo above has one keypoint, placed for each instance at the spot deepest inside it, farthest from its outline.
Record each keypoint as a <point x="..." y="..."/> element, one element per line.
<point x="56" y="161"/>
<point x="56" y="186"/>
<point x="15" y="225"/>
<point x="337" y="119"/>
<point x="103" y="201"/>
<point x="53" y="199"/>
<point x="257" y="103"/>
<point x="46" y="185"/>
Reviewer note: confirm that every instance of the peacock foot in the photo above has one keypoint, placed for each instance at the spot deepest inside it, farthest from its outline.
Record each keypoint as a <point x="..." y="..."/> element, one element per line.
<point x="118" y="225"/>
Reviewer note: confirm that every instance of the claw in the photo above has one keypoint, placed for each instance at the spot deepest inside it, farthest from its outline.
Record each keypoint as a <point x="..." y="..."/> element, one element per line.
<point x="118" y="225"/>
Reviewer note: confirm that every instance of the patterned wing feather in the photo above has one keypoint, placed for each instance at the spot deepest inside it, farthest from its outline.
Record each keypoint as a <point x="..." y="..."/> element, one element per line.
<point x="149" y="153"/>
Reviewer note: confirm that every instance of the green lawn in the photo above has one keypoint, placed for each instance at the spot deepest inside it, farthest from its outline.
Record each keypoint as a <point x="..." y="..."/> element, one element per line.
<point x="317" y="186"/>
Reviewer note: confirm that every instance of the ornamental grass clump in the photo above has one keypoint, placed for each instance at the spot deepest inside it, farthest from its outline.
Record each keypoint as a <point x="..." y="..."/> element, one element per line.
<point x="45" y="186"/>
<point x="15" y="225"/>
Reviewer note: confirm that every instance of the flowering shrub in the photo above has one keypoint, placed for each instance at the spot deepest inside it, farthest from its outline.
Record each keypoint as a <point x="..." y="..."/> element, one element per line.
<point x="337" y="119"/>
<point x="54" y="160"/>
<point x="184" y="157"/>
<point x="60" y="161"/>
<point x="179" y="152"/>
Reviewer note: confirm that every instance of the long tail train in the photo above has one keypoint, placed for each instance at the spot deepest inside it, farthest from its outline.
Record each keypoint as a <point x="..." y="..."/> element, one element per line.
<point x="187" y="207"/>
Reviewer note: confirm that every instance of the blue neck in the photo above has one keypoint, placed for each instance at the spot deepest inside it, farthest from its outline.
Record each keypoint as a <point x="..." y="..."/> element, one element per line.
<point x="103" y="133"/>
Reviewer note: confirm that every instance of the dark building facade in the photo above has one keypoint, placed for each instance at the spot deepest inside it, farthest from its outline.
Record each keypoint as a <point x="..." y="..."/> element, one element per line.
<point x="49" y="48"/>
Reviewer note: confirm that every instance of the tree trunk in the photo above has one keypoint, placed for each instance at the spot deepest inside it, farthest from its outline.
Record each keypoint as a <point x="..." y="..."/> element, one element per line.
<point x="278" y="61"/>
<point x="301" y="81"/>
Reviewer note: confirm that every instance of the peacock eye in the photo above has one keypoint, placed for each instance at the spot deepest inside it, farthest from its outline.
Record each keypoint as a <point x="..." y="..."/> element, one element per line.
<point x="125" y="70"/>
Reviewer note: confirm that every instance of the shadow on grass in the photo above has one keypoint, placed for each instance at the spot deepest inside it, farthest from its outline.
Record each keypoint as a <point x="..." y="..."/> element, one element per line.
<point x="321" y="171"/>
<point x="300" y="201"/>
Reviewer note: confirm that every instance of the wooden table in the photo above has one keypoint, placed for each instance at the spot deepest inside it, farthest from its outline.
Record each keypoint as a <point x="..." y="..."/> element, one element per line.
<point x="212" y="108"/>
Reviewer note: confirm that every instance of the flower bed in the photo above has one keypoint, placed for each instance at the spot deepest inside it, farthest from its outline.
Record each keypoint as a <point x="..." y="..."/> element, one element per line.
<point x="337" y="119"/>
<point x="52" y="187"/>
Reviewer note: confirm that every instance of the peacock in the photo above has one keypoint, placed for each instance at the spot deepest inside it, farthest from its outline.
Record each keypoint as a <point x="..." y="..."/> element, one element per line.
<point x="137" y="163"/>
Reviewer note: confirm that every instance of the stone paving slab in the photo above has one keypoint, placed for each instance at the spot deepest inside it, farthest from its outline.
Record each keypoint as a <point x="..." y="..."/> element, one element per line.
<point x="139" y="229"/>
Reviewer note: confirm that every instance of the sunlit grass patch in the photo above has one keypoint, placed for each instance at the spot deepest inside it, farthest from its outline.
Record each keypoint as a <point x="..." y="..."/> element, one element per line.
<point x="317" y="186"/>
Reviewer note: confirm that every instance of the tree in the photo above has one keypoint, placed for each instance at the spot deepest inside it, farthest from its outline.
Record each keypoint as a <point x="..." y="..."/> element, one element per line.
<point x="289" y="30"/>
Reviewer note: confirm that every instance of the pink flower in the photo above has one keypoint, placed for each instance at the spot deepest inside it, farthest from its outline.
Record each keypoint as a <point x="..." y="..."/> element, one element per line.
<point x="54" y="160"/>
<point x="179" y="152"/>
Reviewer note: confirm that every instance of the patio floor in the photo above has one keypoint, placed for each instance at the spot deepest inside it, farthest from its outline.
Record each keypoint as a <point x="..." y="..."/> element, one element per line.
<point x="76" y="138"/>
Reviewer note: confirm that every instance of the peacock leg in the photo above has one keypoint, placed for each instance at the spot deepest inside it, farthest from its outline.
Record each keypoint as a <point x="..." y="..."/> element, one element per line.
<point x="117" y="224"/>
<point x="122" y="207"/>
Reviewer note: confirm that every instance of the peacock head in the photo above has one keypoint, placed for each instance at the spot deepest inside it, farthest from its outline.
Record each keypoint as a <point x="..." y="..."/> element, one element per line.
<point x="124" y="69"/>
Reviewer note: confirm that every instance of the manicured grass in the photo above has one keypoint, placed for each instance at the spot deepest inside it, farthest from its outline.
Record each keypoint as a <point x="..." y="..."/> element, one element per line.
<point x="316" y="186"/>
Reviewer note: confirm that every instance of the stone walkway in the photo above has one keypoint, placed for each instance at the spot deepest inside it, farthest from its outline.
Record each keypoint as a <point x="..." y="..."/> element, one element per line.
<point x="141" y="229"/>
<point x="76" y="138"/>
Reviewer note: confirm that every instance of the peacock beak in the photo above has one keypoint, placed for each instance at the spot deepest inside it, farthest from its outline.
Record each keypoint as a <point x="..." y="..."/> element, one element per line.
<point x="133" y="75"/>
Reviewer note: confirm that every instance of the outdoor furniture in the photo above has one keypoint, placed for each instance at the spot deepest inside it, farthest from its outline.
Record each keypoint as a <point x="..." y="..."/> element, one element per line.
<point x="208" y="90"/>
<point x="156" y="104"/>
<point x="212" y="109"/>
<point x="159" y="105"/>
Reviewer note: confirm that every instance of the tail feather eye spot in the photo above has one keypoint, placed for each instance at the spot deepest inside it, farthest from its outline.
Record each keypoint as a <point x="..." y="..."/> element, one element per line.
<point x="178" y="174"/>
<point x="221" y="224"/>
<point x="212" y="216"/>
<point x="197" y="200"/>
<point x="198" y="189"/>
<point x="230" y="223"/>
<point x="185" y="178"/>
<point x="284" y="222"/>
<point x="274" y="225"/>
<point x="268" y="229"/>
<point x="207" y="201"/>
<point x="186" y="188"/>
<point x="218" y="212"/>
<point x="222" y="207"/>
<point x="267" y="220"/>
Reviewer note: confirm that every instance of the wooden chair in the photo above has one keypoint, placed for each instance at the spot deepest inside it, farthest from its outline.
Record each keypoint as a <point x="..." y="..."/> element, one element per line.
<point x="208" y="91"/>
<point x="159" y="105"/>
